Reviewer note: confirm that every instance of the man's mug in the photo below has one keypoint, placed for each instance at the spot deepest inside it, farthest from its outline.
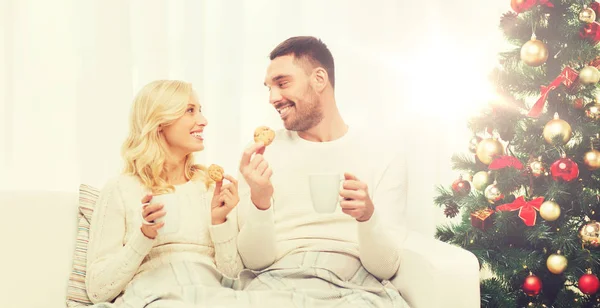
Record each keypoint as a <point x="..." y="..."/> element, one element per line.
<point x="325" y="191"/>
<point x="172" y="217"/>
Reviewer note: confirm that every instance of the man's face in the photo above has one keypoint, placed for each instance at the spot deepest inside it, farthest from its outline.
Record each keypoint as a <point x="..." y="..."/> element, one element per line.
<point x="292" y="94"/>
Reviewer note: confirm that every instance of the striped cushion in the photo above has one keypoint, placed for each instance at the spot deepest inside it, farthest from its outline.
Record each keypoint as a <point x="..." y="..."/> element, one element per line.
<point x="76" y="293"/>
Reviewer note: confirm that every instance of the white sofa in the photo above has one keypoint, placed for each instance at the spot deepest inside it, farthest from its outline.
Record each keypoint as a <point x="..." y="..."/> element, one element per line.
<point x="40" y="228"/>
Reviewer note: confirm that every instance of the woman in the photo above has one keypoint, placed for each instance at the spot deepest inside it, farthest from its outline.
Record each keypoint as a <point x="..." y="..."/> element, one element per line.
<point x="129" y="258"/>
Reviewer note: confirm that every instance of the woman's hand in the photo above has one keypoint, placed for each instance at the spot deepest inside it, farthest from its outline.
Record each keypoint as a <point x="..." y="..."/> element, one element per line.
<point x="150" y="212"/>
<point x="224" y="199"/>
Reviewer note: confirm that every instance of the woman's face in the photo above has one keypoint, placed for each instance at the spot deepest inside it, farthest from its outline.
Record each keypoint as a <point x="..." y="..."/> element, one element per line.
<point x="185" y="135"/>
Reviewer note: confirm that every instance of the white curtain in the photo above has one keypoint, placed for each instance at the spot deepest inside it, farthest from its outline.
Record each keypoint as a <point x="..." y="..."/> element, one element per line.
<point x="70" y="68"/>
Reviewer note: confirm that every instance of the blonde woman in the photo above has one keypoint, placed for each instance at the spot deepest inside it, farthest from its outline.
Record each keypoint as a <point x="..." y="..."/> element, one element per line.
<point x="129" y="258"/>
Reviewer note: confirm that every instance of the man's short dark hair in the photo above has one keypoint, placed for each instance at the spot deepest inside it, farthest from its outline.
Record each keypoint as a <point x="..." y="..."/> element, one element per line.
<point x="310" y="49"/>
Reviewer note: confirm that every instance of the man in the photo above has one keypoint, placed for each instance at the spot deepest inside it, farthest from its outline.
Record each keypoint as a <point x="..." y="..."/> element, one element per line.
<point x="342" y="258"/>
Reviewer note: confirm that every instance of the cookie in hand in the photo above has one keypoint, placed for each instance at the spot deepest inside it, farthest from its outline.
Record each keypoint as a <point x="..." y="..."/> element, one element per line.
<point x="264" y="135"/>
<point x="215" y="172"/>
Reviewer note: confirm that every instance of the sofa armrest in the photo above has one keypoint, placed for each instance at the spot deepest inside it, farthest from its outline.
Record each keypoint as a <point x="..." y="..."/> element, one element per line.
<point x="436" y="274"/>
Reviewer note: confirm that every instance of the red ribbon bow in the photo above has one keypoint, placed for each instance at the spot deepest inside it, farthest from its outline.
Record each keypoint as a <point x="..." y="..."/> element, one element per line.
<point x="566" y="77"/>
<point x="505" y="161"/>
<point x="526" y="209"/>
<point x="528" y="4"/>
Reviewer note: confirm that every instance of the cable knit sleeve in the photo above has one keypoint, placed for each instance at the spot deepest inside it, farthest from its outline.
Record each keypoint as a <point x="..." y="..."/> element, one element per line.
<point x="112" y="263"/>
<point x="224" y="237"/>
<point x="381" y="237"/>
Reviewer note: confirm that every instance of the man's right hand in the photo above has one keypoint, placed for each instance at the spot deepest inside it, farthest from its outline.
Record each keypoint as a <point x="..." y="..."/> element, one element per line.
<point x="257" y="173"/>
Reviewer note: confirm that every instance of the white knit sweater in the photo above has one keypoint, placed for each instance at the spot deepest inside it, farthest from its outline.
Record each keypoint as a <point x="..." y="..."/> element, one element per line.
<point x="291" y="225"/>
<point x="118" y="250"/>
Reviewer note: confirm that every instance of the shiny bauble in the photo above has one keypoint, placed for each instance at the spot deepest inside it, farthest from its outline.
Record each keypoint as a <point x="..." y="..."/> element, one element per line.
<point x="473" y="143"/>
<point x="532" y="285"/>
<point x="488" y="149"/>
<point x="481" y="180"/>
<point x="534" y="52"/>
<point x="461" y="187"/>
<point x="589" y="75"/>
<point x="587" y="15"/>
<point x="564" y="169"/>
<point x="591" y="159"/>
<point x="520" y="6"/>
<point x="493" y="194"/>
<point x="537" y="167"/>
<point x="556" y="263"/>
<point x="592" y="111"/>
<point x="557" y="131"/>
<point x="590" y="234"/>
<point x="588" y="283"/>
<point x="550" y="210"/>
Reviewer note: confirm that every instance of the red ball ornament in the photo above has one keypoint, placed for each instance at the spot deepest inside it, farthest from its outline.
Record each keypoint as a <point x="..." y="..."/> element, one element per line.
<point x="532" y="285"/>
<point x="461" y="187"/>
<point x="589" y="283"/>
<point x="564" y="169"/>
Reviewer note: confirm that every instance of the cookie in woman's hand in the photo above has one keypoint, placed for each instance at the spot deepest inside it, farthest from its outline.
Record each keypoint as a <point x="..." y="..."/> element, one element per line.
<point x="264" y="134"/>
<point x="215" y="172"/>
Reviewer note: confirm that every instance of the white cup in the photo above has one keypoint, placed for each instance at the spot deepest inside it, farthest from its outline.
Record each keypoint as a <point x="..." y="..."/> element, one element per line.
<point x="325" y="191"/>
<point x="172" y="217"/>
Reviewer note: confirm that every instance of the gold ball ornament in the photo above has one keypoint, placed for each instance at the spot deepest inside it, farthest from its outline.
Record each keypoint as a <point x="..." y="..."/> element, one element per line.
<point x="557" y="128"/>
<point x="488" y="149"/>
<point x="590" y="234"/>
<point x="493" y="194"/>
<point x="550" y="210"/>
<point x="589" y="75"/>
<point x="537" y="167"/>
<point x="481" y="180"/>
<point x="557" y="263"/>
<point x="592" y="111"/>
<point x="592" y="159"/>
<point x="534" y="52"/>
<point x="587" y="15"/>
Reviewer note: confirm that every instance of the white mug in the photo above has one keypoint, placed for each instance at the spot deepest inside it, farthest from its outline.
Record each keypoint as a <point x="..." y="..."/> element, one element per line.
<point x="325" y="191"/>
<point x="172" y="217"/>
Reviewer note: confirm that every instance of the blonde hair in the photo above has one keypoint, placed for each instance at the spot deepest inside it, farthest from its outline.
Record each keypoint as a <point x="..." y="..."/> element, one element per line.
<point x="159" y="103"/>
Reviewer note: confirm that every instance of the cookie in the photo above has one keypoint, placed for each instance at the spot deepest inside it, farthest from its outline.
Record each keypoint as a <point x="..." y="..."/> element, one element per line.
<point x="264" y="134"/>
<point x="215" y="172"/>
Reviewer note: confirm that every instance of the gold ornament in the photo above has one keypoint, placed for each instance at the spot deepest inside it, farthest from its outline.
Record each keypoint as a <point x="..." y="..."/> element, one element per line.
<point x="557" y="263"/>
<point x="488" y="149"/>
<point x="534" y="52"/>
<point x="592" y="159"/>
<point x="481" y="180"/>
<point x="493" y="194"/>
<point x="587" y="15"/>
<point x="590" y="234"/>
<point x="550" y="210"/>
<point x="537" y="167"/>
<point x="557" y="128"/>
<point x="589" y="75"/>
<point x="592" y="111"/>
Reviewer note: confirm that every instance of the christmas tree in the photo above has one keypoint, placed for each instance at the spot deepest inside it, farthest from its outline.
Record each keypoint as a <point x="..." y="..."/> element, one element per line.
<point x="529" y="194"/>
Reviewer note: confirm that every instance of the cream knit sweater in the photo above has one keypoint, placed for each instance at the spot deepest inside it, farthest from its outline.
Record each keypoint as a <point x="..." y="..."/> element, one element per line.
<point x="118" y="250"/>
<point x="291" y="225"/>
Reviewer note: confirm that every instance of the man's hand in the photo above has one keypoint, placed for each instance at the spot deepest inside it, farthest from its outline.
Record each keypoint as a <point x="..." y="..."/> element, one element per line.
<point x="257" y="173"/>
<point x="357" y="202"/>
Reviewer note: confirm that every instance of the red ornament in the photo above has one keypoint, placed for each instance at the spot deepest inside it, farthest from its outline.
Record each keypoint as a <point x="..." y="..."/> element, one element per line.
<point x="564" y="169"/>
<point x="591" y="32"/>
<point x="520" y="6"/>
<point x="589" y="283"/>
<point x="532" y="285"/>
<point x="461" y="187"/>
<point x="578" y="103"/>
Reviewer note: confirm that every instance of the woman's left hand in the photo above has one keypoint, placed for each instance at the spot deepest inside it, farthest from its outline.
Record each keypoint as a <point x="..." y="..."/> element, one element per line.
<point x="224" y="199"/>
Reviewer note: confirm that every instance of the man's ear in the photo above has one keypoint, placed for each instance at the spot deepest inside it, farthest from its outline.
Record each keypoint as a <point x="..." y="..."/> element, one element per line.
<point x="320" y="79"/>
